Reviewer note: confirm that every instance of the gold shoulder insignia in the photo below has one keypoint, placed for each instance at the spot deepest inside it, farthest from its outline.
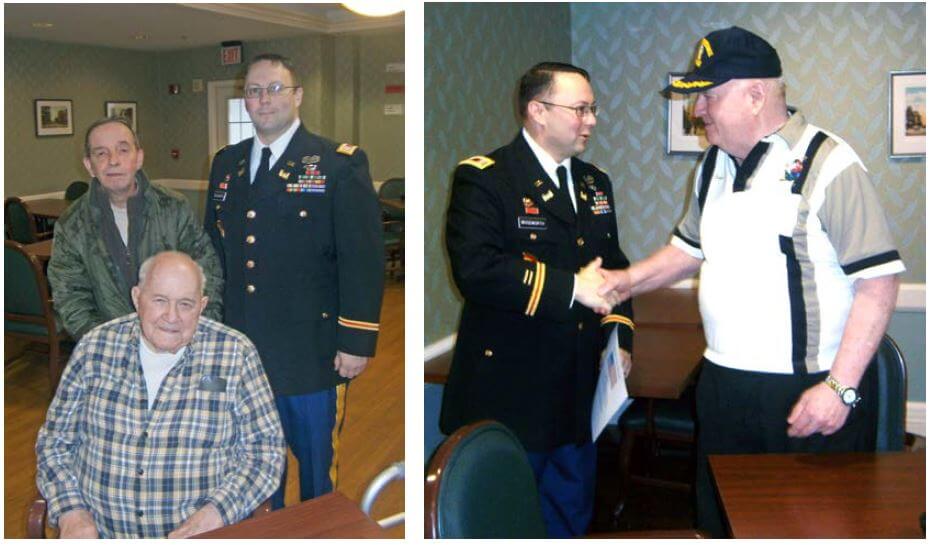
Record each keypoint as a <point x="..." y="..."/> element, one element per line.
<point x="221" y="149"/>
<point x="347" y="149"/>
<point x="479" y="161"/>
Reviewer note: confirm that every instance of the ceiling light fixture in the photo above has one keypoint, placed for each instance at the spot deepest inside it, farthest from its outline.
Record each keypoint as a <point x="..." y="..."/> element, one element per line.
<point x="374" y="8"/>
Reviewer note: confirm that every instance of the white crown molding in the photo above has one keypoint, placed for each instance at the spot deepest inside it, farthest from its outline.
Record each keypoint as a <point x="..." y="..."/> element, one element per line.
<point x="270" y="14"/>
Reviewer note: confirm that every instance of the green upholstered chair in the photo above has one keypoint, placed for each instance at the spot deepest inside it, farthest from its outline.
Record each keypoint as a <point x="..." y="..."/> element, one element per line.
<point x="75" y="189"/>
<point x="27" y="306"/>
<point x="392" y="188"/>
<point x="479" y="484"/>
<point x="20" y="223"/>
<point x="891" y="396"/>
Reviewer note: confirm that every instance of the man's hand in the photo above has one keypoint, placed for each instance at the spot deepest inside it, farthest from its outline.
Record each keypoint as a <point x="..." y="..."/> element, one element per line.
<point x="625" y="360"/>
<point x="205" y="519"/>
<point x="77" y="524"/>
<point x="819" y="409"/>
<point x="349" y="365"/>
<point x="616" y="282"/>
<point x="588" y="281"/>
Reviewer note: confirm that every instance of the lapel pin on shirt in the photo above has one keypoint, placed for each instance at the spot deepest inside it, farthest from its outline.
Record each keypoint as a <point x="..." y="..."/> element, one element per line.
<point x="284" y="174"/>
<point x="538" y="183"/>
<point x="547" y="196"/>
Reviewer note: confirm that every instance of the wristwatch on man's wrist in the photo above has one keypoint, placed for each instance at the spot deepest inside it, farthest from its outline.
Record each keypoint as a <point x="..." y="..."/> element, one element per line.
<point x="849" y="395"/>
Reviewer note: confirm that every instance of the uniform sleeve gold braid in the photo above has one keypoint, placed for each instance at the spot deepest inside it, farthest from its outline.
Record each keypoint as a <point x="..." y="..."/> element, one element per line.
<point x="358" y="324"/>
<point x="618" y="319"/>
<point x="537" y="290"/>
<point x="527" y="276"/>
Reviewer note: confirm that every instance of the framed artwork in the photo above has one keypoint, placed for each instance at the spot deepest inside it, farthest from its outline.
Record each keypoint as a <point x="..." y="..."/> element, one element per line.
<point x="685" y="133"/>
<point x="54" y="117"/>
<point x="127" y="110"/>
<point x="907" y="117"/>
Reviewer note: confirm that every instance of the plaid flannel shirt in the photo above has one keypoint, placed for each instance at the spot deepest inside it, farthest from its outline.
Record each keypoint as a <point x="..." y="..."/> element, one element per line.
<point x="212" y="436"/>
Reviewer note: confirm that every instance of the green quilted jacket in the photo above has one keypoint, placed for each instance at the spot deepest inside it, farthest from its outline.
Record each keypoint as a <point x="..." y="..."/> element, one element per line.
<point x="87" y="287"/>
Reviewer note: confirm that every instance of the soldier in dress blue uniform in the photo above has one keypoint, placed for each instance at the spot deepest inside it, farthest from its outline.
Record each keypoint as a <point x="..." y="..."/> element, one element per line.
<point x="296" y="223"/>
<point x="522" y="221"/>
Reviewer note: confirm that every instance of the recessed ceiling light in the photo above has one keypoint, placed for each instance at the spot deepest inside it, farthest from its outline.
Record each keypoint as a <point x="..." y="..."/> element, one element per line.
<point x="42" y="25"/>
<point x="374" y="8"/>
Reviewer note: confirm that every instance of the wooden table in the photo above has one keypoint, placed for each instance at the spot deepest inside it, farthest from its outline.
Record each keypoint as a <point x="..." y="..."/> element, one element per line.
<point x="855" y="495"/>
<point x="47" y="208"/>
<point x="42" y="249"/>
<point x="330" y="516"/>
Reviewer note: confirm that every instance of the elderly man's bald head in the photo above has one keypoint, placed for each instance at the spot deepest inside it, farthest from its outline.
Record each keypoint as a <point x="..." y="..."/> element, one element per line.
<point x="169" y="300"/>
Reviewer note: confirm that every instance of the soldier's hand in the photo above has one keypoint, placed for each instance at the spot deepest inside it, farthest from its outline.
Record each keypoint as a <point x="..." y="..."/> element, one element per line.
<point x="77" y="524"/>
<point x="349" y="365"/>
<point x="616" y="282"/>
<point x="588" y="281"/>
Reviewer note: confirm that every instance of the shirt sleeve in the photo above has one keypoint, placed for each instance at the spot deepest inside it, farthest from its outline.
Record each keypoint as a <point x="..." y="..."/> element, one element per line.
<point x="253" y="473"/>
<point x="613" y="257"/>
<point x="857" y="226"/>
<point x="484" y="271"/>
<point x="59" y="439"/>
<point x="686" y="236"/>
<point x="359" y="242"/>
<point x="71" y="285"/>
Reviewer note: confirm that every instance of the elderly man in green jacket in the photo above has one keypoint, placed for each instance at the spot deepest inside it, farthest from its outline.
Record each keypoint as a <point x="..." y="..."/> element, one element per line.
<point x="106" y="234"/>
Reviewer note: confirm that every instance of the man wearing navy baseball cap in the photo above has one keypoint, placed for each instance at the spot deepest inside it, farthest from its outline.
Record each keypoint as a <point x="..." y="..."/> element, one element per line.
<point x="798" y="269"/>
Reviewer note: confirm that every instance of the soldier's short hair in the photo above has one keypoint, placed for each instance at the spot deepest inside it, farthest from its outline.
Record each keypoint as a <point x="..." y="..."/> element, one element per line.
<point x="538" y="79"/>
<point x="276" y="58"/>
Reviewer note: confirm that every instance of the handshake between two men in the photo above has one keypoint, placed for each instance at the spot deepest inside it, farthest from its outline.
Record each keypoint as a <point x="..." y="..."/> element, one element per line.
<point x="601" y="289"/>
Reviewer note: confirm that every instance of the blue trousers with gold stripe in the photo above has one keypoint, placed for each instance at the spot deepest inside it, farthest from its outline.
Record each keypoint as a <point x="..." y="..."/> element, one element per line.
<point x="311" y="425"/>
<point x="566" y="483"/>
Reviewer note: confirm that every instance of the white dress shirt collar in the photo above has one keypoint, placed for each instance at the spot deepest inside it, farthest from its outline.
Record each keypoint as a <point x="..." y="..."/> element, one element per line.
<point x="277" y="147"/>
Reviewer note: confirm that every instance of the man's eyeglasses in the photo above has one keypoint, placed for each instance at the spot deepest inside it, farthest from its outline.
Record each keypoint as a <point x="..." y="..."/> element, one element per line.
<point x="274" y="90"/>
<point x="581" y="111"/>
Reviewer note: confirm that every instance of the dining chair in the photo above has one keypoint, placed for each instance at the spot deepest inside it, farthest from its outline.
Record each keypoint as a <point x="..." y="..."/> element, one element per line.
<point x="20" y="222"/>
<point x="479" y="484"/>
<point x="27" y="306"/>
<point x="395" y="472"/>
<point x="392" y="188"/>
<point x="393" y="233"/>
<point x="75" y="189"/>
<point x="891" y="396"/>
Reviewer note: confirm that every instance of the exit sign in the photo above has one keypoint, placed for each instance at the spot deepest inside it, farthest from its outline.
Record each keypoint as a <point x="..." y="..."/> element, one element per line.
<point x="230" y="54"/>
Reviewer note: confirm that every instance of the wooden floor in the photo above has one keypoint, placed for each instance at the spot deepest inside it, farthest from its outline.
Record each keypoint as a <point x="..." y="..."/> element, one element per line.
<point x="372" y="437"/>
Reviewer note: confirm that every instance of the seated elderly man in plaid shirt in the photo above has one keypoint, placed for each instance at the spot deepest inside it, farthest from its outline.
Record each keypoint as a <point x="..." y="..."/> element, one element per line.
<point x="164" y="424"/>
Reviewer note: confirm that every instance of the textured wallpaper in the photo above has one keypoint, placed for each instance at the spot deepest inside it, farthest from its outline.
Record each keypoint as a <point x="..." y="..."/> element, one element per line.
<point x="90" y="75"/>
<point x="474" y="56"/>
<point x="836" y="59"/>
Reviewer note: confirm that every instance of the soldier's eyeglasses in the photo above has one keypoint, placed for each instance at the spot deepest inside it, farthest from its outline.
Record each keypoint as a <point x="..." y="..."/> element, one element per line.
<point x="580" y="111"/>
<point x="274" y="90"/>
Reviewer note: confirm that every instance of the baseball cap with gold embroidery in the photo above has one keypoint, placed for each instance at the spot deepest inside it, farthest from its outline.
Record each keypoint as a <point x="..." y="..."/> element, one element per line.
<point x="729" y="53"/>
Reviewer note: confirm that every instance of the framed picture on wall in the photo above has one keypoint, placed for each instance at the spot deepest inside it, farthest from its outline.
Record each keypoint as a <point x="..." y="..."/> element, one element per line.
<point x="685" y="133"/>
<point x="54" y="117"/>
<point x="907" y="118"/>
<point x="127" y="110"/>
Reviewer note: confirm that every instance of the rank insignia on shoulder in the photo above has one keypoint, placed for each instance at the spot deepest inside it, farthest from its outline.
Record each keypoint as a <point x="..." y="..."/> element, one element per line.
<point x="479" y="161"/>
<point x="346" y="149"/>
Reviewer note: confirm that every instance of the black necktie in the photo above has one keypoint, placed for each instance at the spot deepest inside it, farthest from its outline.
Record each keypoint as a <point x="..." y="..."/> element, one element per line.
<point x="264" y="167"/>
<point x="564" y="186"/>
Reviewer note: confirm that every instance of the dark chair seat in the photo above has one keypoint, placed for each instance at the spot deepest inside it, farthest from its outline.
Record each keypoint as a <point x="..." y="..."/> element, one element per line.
<point x="671" y="416"/>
